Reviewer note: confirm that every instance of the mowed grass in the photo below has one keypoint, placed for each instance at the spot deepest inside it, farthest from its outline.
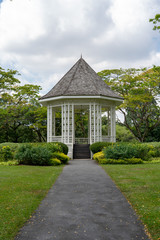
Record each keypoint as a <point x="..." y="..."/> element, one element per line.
<point x="21" y="190"/>
<point x="141" y="186"/>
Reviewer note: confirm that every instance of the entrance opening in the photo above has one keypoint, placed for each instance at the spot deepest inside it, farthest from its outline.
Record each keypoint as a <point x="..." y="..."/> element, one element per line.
<point x="81" y="124"/>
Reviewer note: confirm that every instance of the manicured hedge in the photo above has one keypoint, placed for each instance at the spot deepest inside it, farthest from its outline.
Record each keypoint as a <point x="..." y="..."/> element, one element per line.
<point x="99" y="155"/>
<point x="61" y="156"/>
<point x="121" y="161"/>
<point x="100" y="158"/>
<point x="99" y="146"/>
<point x="42" y="154"/>
<point x="124" y="151"/>
<point x="33" y="155"/>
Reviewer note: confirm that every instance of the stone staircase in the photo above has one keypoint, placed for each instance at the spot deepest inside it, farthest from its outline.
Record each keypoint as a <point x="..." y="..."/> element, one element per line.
<point x="81" y="151"/>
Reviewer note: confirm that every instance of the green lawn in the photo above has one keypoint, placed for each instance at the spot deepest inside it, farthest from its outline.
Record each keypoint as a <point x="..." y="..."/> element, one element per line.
<point x="21" y="190"/>
<point x="141" y="186"/>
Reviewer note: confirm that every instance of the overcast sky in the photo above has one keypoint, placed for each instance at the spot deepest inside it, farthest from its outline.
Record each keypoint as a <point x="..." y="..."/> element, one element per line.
<point x="43" y="39"/>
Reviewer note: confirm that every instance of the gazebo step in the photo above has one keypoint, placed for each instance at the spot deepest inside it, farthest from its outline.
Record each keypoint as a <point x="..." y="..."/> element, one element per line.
<point x="81" y="151"/>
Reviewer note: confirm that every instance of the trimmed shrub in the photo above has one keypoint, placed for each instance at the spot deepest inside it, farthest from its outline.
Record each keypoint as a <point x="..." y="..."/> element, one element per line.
<point x="102" y="161"/>
<point x="32" y="155"/>
<point x="99" y="155"/>
<point x="55" y="162"/>
<point x="53" y="147"/>
<point x="98" y="146"/>
<point x="154" y="148"/>
<point x="61" y="156"/>
<point x="64" y="147"/>
<point x="121" y="161"/>
<point x="6" y="153"/>
<point x="10" y="163"/>
<point x="120" y="151"/>
<point x="24" y="155"/>
<point x="123" y="151"/>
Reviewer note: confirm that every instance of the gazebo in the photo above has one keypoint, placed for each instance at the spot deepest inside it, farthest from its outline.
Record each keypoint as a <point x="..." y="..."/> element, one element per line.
<point x="80" y="94"/>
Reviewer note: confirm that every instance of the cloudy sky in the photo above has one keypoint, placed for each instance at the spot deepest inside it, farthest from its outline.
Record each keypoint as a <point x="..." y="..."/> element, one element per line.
<point x="43" y="39"/>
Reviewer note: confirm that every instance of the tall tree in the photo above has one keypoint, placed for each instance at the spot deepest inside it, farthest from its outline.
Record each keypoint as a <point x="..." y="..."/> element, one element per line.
<point x="140" y="89"/>
<point x="20" y="111"/>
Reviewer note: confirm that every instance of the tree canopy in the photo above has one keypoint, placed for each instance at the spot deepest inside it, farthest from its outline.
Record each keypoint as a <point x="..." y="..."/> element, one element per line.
<point x="140" y="89"/>
<point x="22" y="118"/>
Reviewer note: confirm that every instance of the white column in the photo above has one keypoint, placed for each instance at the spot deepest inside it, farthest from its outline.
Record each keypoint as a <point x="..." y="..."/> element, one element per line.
<point x="100" y="123"/>
<point x="113" y="124"/>
<point x="73" y="133"/>
<point x="97" y="132"/>
<point x="48" y="108"/>
<point x="49" y="124"/>
<point x="90" y="123"/>
<point x="68" y="117"/>
<point x="62" y="123"/>
<point x="94" y="122"/>
<point x="53" y="122"/>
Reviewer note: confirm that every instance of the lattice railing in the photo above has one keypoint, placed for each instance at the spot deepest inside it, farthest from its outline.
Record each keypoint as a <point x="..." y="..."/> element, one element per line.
<point x="81" y="141"/>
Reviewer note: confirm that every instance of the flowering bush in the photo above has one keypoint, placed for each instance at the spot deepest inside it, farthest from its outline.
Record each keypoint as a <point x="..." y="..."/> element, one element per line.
<point x="6" y="153"/>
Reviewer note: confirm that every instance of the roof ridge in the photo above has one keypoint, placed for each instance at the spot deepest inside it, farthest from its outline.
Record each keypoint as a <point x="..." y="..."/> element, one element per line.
<point x="78" y="62"/>
<point x="93" y="82"/>
<point x="81" y="80"/>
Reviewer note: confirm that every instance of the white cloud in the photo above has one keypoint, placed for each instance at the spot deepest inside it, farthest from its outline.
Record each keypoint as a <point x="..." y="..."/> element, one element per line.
<point x="43" y="39"/>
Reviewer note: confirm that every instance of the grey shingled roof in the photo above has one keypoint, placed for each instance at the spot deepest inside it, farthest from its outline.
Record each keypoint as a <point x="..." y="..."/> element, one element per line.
<point x="81" y="80"/>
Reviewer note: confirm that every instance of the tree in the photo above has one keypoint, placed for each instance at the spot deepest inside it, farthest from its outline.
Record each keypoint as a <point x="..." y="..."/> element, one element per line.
<point x="156" y="22"/>
<point x="123" y="134"/>
<point x="19" y="110"/>
<point x="140" y="89"/>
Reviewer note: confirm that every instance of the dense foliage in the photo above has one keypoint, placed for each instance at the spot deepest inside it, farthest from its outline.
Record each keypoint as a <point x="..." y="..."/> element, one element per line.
<point x="98" y="146"/>
<point x="40" y="154"/>
<point x="22" y="118"/>
<point x="125" y="151"/>
<point x="140" y="89"/>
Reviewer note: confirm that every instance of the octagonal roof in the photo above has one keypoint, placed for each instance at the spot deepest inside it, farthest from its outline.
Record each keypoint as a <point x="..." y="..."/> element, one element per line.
<point x="81" y="80"/>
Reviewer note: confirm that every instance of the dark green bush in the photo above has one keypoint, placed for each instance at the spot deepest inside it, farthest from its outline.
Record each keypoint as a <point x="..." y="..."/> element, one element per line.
<point x="143" y="151"/>
<point x="98" y="146"/>
<point x="53" y="147"/>
<point x="64" y="147"/>
<point x="34" y="155"/>
<point x="123" y="151"/>
<point x="61" y="156"/>
<point x="120" y="151"/>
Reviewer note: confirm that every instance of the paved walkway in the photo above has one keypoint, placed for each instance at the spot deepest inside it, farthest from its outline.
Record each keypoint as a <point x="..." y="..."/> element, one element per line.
<point x="84" y="204"/>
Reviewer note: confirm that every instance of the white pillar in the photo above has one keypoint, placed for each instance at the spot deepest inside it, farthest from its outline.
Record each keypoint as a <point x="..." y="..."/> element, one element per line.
<point x="94" y="122"/>
<point x="73" y="133"/>
<point x="49" y="124"/>
<point x="113" y="124"/>
<point x="90" y="123"/>
<point x="100" y="123"/>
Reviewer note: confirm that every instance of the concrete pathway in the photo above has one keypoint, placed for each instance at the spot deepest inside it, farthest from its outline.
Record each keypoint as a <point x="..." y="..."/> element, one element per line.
<point x="84" y="204"/>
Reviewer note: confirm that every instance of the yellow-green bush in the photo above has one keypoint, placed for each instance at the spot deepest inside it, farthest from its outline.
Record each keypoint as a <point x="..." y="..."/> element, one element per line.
<point x="9" y="163"/>
<point x="97" y="156"/>
<point x="55" y="162"/>
<point x="121" y="161"/>
<point x="61" y="156"/>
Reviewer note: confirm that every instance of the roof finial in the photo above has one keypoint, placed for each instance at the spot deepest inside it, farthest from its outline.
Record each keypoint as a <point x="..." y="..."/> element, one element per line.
<point x="81" y="55"/>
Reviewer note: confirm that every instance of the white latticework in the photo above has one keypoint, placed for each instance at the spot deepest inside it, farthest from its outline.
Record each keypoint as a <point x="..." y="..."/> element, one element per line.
<point x="95" y="123"/>
<point x="67" y="123"/>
